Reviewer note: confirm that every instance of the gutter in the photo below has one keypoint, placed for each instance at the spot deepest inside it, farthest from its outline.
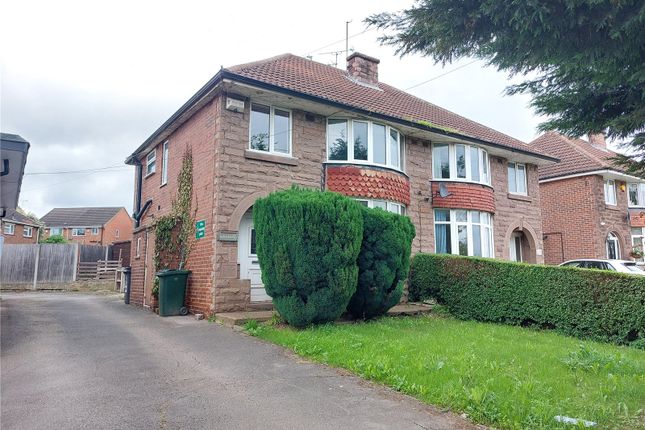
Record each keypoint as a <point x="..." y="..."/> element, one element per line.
<point x="224" y="74"/>
<point x="608" y="172"/>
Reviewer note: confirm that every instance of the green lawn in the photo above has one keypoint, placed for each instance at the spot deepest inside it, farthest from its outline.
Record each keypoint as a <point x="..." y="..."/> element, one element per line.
<point x="507" y="377"/>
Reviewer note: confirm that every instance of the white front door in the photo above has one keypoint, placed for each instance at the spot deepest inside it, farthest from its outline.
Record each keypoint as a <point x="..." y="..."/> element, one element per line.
<point x="248" y="259"/>
<point x="515" y="248"/>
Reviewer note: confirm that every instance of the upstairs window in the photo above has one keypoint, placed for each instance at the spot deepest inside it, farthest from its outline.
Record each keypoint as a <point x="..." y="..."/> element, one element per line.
<point x="460" y="162"/>
<point x="95" y="231"/>
<point x="636" y="195"/>
<point x="9" y="228"/>
<point x="78" y="232"/>
<point x="164" y="164"/>
<point x="364" y="142"/>
<point x="270" y="129"/>
<point x="610" y="192"/>
<point x="27" y="231"/>
<point x="517" y="178"/>
<point x="151" y="162"/>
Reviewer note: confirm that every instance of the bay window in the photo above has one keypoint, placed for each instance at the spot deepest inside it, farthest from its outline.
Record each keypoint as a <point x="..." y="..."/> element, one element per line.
<point x="460" y="162"/>
<point x="364" y="142"/>
<point x="610" y="192"/>
<point x="270" y="129"/>
<point x="396" y="208"/>
<point x="463" y="232"/>
<point x="638" y="239"/>
<point x="636" y="195"/>
<point x="517" y="178"/>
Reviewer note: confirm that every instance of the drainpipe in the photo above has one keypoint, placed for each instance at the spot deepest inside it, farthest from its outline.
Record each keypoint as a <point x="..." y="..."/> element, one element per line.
<point x="137" y="199"/>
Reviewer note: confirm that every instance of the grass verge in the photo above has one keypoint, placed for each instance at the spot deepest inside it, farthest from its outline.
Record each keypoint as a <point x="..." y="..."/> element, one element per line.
<point x="507" y="377"/>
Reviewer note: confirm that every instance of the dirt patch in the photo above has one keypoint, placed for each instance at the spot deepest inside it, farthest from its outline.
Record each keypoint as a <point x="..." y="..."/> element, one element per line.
<point x="94" y="287"/>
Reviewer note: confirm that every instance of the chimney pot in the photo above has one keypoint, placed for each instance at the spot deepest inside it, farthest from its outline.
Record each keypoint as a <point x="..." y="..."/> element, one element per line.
<point x="363" y="67"/>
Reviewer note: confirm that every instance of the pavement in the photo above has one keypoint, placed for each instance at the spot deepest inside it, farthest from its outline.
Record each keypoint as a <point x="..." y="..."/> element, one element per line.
<point x="79" y="361"/>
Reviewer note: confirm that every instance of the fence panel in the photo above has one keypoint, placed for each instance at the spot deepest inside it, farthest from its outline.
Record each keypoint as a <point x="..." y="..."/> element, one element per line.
<point x="17" y="264"/>
<point x="91" y="253"/>
<point x="56" y="263"/>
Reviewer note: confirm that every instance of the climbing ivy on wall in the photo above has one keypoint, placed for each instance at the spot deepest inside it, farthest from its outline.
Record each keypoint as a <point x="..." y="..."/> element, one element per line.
<point x="174" y="232"/>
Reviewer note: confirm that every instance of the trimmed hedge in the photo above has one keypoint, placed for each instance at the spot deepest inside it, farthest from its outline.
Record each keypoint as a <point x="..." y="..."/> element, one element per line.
<point x="592" y="304"/>
<point x="307" y="244"/>
<point x="383" y="263"/>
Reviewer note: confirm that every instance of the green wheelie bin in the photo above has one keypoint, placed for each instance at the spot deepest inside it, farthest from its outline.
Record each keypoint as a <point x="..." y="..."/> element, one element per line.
<point x="172" y="290"/>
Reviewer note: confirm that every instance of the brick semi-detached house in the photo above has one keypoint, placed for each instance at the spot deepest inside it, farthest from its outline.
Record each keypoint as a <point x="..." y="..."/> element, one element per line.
<point x="263" y="126"/>
<point x="90" y="226"/>
<point x="590" y="207"/>
<point x="17" y="228"/>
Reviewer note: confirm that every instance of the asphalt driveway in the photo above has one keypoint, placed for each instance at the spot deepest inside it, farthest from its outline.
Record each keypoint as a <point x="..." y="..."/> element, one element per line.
<point x="71" y="361"/>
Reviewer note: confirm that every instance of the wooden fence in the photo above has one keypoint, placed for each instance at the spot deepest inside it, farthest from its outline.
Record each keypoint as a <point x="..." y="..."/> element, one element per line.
<point x="54" y="264"/>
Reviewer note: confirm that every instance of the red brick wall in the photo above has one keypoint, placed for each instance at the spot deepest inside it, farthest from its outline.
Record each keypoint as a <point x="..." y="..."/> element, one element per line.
<point x="576" y="220"/>
<point x="368" y="182"/>
<point x="199" y="135"/>
<point x="17" y="237"/>
<point x="119" y="228"/>
<point x="464" y="196"/>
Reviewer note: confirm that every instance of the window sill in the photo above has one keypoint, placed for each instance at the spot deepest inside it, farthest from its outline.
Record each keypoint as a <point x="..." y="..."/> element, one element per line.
<point x="163" y="185"/>
<point x="149" y="175"/>
<point x="612" y="207"/>
<point x="520" y="197"/>
<point x="272" y="158"/>
<point x="462" y="181"/>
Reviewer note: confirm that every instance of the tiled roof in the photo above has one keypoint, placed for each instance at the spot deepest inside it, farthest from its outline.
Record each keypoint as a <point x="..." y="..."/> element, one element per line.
<point x="369" y="183"/>
<point x="13" y="215"/>
<point x="576" y="156"/>
<point x="330" y="83"/>
<point x="79" y="217"/>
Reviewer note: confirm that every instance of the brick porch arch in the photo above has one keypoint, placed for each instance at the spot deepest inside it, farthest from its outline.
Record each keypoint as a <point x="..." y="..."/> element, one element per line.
<point x="520" y="224"/>
<point x="245" y="204"/>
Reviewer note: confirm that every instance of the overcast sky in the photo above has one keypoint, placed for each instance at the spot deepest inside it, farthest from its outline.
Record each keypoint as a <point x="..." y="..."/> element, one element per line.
<point x="87" y="82"/>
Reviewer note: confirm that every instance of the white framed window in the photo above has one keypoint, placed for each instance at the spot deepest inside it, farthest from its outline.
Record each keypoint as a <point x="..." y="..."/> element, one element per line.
<point x="517" y="178"/>
<point x="137" y="252"/>
<point x="27" y="231"/>
<point x="365" y="142"/>
<point x="270" y="129"/>
<point x="610" y="192"/>
<point x="9" y="228"/>
<point x="463" y="232"/>
<point x="386" y="205"/>
<point x="151" y="162"/>
<point x="638" y="238"/>
<point x="164" y="163"/>
<point x="78" y="232"/>
<point x="636" y="193"/>
<point x="56" y="231"/>
<point x="460" y="162"/>
<point x="613" y="248"/>
<point x="95" y="231"/>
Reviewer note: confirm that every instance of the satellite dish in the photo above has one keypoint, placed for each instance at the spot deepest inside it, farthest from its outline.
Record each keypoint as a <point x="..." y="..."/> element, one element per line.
<point x="443" y="191"/>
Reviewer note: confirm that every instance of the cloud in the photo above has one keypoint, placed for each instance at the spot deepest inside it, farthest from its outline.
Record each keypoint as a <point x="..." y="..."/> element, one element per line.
<point x="86" y="83"/>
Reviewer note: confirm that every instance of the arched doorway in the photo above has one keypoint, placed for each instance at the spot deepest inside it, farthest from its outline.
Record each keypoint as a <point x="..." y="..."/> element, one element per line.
<point x="247" y="258"/>
<point x="521" y="246"/>
<point x="613" y="247"/>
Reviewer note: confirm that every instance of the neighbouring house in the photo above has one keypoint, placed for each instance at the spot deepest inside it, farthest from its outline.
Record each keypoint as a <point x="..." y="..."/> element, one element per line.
<point x="91" y="226"/>
<point x="18" y="228"/>
<point x="590" y="207"/>
<point x="263" y="126"/>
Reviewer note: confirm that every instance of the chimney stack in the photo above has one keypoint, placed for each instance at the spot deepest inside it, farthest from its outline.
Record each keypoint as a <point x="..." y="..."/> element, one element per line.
<point x="597" y="140"/>
<point x="363" y="68"/>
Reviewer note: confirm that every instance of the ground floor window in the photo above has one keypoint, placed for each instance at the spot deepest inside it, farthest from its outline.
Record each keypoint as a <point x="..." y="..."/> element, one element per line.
<point x="613" y="250"/>
<point x="463" y="232"/>
<point x="638" y="239"/>
<point x="397" y="208"/>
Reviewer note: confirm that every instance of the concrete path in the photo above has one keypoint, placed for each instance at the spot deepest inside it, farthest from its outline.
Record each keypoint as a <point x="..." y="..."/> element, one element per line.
<point x="72" y="361"/>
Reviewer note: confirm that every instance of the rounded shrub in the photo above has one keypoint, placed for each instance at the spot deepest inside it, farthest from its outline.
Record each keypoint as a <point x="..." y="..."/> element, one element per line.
<point x="307" y="245"/>
<point x="383" y="263"/>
